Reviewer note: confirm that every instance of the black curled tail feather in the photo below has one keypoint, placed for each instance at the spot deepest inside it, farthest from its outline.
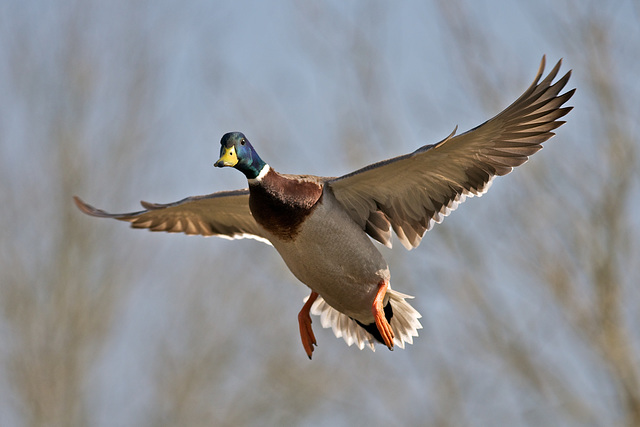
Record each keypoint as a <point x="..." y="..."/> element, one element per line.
<point x="373" y="329"/>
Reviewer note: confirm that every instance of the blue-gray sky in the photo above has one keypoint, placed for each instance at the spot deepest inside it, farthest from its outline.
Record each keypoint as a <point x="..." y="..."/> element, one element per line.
<point x="313" y="87"/>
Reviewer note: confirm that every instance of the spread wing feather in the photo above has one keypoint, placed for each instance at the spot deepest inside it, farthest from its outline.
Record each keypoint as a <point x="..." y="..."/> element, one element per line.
<point x="412" y="192"/>
<point x="224" y="214"/>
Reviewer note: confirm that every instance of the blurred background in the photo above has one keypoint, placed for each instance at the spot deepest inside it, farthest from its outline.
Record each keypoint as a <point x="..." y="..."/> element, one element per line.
<point x="530" y="296"/>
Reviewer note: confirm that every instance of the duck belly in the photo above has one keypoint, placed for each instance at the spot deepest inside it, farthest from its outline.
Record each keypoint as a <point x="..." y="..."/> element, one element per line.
<point x="333" y="256"/>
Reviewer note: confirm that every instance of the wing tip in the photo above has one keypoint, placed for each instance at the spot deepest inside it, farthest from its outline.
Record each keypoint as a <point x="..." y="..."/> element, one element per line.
<point x="99" y="213"/>
<point x="552" y="73"/>
<point x="543" y="64"/>
<point x="87" y="208"/>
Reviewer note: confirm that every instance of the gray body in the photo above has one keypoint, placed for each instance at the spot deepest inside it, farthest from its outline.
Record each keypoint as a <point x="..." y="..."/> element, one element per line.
<point x="333" y="257"/>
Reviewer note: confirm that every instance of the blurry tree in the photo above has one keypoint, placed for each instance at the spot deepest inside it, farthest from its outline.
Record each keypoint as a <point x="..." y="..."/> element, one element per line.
<point x="581" y="201"/>
<point x="529" y="299"/>
<point x="58" y="303"/>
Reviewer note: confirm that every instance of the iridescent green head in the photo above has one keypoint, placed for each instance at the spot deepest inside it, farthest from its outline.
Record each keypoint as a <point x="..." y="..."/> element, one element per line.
<point x="237" y="152"/>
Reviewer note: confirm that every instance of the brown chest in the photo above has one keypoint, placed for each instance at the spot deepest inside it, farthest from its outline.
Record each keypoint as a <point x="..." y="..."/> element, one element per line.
<point x="281" y="204"/>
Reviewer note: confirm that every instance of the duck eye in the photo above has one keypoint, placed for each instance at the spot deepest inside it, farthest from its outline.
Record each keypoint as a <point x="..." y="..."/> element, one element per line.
<point x="242" y="141"/>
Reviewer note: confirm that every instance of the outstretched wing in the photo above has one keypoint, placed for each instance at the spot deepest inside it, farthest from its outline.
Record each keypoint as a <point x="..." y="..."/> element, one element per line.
<point x="411" y="192"/>
<point x="225" y="214"/>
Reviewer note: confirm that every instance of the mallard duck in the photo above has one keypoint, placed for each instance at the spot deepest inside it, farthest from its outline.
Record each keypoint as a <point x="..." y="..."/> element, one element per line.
<point x="323" y="227"/>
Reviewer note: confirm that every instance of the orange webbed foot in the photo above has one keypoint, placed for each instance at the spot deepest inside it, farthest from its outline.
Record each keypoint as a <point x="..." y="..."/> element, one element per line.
<point x="304" y="322"/>
<point x="378" y="314"/>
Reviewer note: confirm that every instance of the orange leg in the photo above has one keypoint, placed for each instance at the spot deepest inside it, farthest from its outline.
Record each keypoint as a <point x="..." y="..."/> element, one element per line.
<point x="304" y="322"/>
<point x="378" y="314"/>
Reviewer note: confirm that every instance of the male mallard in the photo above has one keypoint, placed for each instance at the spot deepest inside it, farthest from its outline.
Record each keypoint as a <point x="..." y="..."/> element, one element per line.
<point x="322" y="226"/>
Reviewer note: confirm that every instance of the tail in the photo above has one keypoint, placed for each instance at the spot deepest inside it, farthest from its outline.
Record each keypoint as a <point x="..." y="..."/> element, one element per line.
<point x="405" y="323"/>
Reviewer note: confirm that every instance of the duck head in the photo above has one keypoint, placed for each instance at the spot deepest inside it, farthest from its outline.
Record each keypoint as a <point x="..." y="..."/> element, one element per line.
<point x="237" y="152"/>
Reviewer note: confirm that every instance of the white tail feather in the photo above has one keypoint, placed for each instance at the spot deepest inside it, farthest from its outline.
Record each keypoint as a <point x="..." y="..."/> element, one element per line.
<point x="404" y="323"/>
